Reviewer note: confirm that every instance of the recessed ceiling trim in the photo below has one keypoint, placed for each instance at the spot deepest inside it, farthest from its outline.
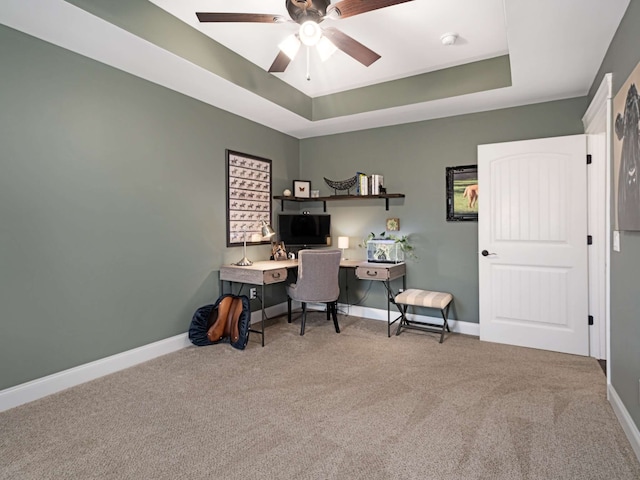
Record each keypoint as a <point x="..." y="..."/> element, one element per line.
<point x="148" y="21"/>
<point x="449" y="82"/>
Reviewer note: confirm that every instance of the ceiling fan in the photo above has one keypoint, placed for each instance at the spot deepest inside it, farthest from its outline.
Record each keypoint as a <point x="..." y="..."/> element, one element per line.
<point x="309" y="14"/>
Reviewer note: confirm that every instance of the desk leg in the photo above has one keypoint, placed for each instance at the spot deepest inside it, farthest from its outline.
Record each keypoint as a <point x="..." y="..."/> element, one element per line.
<point x="389" y="293"/>
<point x="264" y="314"/>
<point x="391" y="299"/>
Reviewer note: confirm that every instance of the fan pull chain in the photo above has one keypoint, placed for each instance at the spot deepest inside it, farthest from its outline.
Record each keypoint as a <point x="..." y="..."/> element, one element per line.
<point x="308" y="74"/>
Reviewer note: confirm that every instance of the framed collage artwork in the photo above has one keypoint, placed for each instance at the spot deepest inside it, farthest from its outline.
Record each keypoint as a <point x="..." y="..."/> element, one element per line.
<point x="248" y="198"/>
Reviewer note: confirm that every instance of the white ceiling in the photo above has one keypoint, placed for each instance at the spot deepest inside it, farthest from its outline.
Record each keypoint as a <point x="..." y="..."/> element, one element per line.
<point x="555" y="48"/>
<point x="407" y="36"/>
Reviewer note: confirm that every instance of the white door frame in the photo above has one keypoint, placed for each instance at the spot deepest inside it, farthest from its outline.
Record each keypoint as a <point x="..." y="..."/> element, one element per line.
<point x="597" y="124"/>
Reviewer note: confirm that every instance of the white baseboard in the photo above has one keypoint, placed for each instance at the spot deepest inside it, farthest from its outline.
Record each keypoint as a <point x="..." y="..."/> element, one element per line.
<point x="381" y="314"/>
<point x="629" y="427"/>
<point x="41" y="387"/>
<point x="273" y="311"/>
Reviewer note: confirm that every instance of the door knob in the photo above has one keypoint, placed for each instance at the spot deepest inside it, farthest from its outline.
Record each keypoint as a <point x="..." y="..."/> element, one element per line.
<point x="485" y="253"/>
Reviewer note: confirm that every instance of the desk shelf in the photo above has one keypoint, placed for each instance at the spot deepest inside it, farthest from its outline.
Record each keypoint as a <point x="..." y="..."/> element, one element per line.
<point x="332" y="198"/>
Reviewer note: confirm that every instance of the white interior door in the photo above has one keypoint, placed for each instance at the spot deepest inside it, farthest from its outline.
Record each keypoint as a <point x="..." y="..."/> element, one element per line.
<point x="532" y="227"/>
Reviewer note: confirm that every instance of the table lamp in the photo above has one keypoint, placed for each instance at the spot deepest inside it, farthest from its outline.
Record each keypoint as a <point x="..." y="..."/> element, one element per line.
<point x="267" y="231"/>
<point x="343" y="243"/>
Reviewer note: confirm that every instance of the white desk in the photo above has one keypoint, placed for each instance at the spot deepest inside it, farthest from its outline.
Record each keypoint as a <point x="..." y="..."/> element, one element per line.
<point x="270" y="272"/>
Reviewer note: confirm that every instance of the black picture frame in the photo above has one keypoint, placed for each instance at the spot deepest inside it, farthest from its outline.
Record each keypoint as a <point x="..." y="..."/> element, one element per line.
<point x="626" y="157"/>
<point x="248" y="198"/>
<point x="302" y="188"/>
<point x="462" y="193"/>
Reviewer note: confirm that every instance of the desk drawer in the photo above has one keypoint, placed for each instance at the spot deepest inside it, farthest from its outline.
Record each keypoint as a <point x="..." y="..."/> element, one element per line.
<point x="274" y="276"/>
<point x="373" y="271"/>
<point x="253" y="274"/>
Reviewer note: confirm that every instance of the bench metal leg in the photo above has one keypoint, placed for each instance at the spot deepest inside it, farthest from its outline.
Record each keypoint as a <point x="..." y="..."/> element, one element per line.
<point x="445" y="316"/>
<point x="426" y="327"/>
<point x="402" y="317"/>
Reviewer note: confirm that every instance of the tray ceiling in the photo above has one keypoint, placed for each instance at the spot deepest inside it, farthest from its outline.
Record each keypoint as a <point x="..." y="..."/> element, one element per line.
<point x="547" y="50"/>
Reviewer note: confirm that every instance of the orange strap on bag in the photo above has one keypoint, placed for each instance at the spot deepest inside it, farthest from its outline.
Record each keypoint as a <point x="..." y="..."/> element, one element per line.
<point x="224" y="321"/>
<point x="234" y="315"/>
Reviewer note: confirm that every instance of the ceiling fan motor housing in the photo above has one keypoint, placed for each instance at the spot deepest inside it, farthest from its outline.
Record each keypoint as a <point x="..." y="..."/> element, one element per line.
<point x="304" y="10"/>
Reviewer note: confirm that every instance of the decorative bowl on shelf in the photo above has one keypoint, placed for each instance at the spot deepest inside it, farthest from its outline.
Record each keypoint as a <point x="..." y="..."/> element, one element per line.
<point x="347" y="184"/>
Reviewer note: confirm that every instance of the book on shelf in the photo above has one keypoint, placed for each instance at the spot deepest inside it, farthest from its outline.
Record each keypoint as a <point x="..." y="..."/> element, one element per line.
<point x="362" y="187"/>
<point x="377" y="181"/>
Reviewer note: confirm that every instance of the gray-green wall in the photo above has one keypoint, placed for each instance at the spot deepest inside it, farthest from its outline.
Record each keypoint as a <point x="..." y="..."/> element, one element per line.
<point x="112" y="202"/>
<point x="413" y="158"/>
<point x="112" y="207"/>
<point x="621" y="59"/>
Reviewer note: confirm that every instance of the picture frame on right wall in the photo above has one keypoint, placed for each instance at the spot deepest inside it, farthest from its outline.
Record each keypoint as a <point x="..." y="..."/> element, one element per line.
<point x="626" y="154"/>
<point x="462" y="193"/>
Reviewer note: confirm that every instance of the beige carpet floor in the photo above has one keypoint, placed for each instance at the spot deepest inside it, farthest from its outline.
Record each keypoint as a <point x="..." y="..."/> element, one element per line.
<point x="354" y="405"/>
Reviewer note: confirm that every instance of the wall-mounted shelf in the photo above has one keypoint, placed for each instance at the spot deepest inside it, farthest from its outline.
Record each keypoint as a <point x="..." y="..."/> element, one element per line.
<point x="332" y="198"/>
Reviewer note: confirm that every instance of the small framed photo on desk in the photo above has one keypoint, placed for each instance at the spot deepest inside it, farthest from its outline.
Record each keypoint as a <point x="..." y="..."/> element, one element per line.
<point x="302" y="188"/>
<point x="278" y="251"/>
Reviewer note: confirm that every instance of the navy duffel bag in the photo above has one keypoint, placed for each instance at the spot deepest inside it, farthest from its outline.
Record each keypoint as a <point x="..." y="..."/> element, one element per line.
<point x="226" y="321"/>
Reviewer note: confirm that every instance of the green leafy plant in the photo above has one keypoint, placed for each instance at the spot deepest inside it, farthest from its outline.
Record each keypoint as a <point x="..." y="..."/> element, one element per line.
<point x="402" y="241"/>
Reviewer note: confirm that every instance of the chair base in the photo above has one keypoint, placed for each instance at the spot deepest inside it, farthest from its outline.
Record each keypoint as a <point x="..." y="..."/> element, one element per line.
<point x="332" y="311"/>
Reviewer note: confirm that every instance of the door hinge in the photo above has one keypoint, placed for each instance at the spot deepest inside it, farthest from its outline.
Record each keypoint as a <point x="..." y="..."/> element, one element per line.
<point x="589" y="159"/>
<point x="589" y="240"/>
<point x="590" y="319"/>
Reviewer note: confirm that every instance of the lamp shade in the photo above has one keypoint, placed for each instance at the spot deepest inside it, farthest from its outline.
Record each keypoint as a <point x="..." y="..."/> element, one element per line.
<point x="343" y="242"/>
<point x="267" y="230"/>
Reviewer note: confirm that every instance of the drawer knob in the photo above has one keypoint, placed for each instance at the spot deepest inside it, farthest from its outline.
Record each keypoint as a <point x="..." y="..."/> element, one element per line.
<point x="276" y="275"/>
<point x="372" y="274"/>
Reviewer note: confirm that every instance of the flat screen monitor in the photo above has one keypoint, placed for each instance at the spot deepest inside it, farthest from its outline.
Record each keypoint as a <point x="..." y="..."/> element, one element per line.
<point x="302" y="230"/>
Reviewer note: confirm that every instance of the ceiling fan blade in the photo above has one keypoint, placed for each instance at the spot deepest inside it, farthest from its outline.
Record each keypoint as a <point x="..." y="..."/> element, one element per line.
<point x="280" y="64"/>
<point x="239" y="17"/>
<point x="349" y="8"/>
<point x="351" y="47"/>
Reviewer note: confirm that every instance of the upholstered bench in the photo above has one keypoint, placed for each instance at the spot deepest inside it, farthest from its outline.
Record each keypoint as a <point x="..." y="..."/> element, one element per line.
<point x="423" y="298"/>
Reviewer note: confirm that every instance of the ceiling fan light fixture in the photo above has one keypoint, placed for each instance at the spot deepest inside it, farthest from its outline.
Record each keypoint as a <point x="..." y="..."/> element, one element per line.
<point x="333" y="13"/>
<point x="325" y="48"/>
<point x="290" y="46"/>
<point x="310" y="33"/>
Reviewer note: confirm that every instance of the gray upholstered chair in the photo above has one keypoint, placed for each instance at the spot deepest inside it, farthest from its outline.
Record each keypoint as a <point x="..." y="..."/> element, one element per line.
<point x="317" y="282"/>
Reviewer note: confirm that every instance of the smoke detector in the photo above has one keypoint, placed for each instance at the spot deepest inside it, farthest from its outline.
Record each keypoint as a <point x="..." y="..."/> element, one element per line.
<point x="449" y="38"/>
